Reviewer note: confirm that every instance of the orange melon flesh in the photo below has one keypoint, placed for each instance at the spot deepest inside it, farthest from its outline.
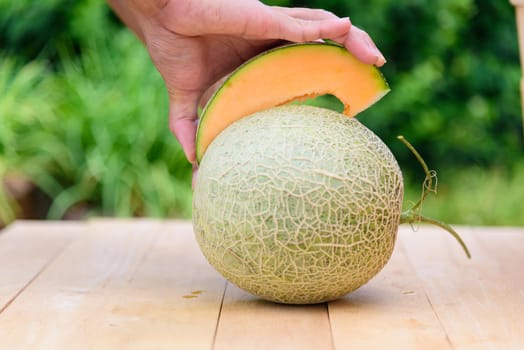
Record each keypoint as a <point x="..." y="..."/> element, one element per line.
<point x="287" y="73"/>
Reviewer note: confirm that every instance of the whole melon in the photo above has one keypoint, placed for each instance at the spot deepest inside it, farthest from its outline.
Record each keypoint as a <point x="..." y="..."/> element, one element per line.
<point x="297" y="204"/>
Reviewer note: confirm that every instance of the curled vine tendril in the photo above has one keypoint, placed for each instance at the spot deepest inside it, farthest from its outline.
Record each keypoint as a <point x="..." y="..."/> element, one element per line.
<point x="414" y="215"/>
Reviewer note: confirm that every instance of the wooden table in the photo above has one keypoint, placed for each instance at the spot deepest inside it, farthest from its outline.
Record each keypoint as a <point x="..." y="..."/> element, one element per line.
<point x="143" y="284"/>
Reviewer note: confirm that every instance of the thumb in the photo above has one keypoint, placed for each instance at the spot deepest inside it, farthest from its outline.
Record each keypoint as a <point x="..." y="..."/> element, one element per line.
<point x="183" y="122"/>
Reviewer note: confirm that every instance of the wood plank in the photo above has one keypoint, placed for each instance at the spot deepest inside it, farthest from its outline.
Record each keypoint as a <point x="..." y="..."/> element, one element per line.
<point x="247" y="322"/>
<point x="125" y="285"/>
<point x="172" y="300"/>
<point x="26" y="248"/>
<point x="144" y="284"/>
<point x="480" y="302"/>
<point x="391" y="311"/>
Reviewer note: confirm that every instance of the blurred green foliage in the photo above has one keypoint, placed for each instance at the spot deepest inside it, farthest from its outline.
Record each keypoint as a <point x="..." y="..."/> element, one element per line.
<point x="83" y="112"/>
<point x="453" y="67"/>
<point x="87" y="121"/>
<point x="40" y="29"/>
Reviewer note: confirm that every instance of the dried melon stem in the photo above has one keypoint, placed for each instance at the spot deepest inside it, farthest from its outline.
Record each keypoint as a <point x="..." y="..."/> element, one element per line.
<point x="413" y="215"/>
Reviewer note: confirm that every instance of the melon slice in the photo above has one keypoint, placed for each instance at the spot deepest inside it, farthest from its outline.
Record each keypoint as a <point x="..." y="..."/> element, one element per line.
<point x="288" y="73"/>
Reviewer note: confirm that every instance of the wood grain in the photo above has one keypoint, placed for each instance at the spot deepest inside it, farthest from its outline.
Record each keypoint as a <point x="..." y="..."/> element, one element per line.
<point x="26" y="248"/>
<point x="391" y="309"/>
<point x="121" y="286"/>
<point x="480" y="302"/>
<point x="144" y="284"/>
<point x="250" y="323"/>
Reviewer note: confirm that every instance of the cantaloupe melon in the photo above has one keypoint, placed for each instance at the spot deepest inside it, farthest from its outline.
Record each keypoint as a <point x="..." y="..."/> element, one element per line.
<point x="297" y="204"/>
<point x="287" y="73"/>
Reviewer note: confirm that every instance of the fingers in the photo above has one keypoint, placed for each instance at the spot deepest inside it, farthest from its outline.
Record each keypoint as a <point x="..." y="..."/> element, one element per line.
<point x="302" y="24"/>
<point x="306" y="13"/>
<point x="281" y="25"/>
<point x="313" y="24"/>
<point x="359" y="43"/>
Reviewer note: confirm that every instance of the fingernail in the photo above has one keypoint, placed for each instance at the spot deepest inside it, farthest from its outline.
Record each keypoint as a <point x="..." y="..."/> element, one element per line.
<point x="381" y="60"/>
<point x="345" y="19"/>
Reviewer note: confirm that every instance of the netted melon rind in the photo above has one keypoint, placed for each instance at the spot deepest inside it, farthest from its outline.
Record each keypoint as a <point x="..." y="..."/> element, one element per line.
<point x="297" y="204"/>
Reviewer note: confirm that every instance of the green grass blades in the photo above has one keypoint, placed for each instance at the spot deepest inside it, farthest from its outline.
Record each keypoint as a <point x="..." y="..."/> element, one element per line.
<point x="95" y="132"/>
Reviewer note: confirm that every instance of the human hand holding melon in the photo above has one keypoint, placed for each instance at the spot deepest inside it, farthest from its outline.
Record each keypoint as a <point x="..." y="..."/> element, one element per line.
<point x="195" y="43"/>
<point x="310" y="210"/>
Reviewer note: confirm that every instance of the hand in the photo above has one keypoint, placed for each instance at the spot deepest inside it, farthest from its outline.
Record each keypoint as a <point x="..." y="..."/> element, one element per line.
<point x="195" y="43"/>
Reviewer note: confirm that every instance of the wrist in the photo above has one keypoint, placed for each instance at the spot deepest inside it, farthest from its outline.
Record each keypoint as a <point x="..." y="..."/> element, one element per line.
<point x="136" y="14"/>
<point x="149" y="8"/>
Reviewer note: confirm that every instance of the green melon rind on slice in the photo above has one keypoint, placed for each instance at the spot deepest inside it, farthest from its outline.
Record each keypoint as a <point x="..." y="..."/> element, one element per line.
<point x="372" y="73"/>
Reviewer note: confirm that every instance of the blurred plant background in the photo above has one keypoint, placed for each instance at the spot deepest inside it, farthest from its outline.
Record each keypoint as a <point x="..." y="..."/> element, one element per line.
<point x="83" y="113"/>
